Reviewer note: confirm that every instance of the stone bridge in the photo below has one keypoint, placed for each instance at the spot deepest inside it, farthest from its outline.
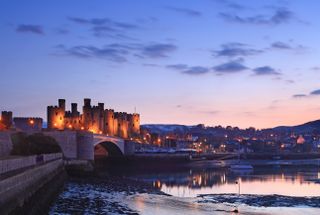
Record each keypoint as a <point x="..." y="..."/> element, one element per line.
<point x="81" y="145"/>
<point x="78" y="144"/>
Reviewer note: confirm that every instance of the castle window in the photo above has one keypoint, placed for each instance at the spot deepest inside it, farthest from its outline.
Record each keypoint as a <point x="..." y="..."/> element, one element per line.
<point x="106" y="124"/>
<point x="56" y="113"/>
<point x="60" y="118"/>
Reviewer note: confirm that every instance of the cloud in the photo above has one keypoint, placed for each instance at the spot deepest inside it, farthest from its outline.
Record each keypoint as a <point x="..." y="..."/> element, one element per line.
<point x="105" y="27"/>
<point x="177" y="66"/>
<point x="159" y="50"/>
<point x="189" y="70"/>
<point x="265" y="70"/>
<point x="213" y="112"/>
<point x="196" y="70"/>
<point x="185" y="11"/>
<point x="280" y="45"/>
<point x="230" y="4"/>
<point x="236" y="50"/>
<point x="315" y="68"/>
<point x="299" y="96"/>
<point x="107" y="52"/>
<point x="34" y="29"/>
<point x="233" y="66"/>
<point x="285" y="46"/>
<point x="103" y="22"/>
<point x="279" y="16"/>
<point x="315" y="92"/>
<point x="119" y="52"/>
<point x="312" y="93"/>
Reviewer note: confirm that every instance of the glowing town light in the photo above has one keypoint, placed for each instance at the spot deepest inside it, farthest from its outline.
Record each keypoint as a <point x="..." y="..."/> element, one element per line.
<point x="82" y="128"/>
<point x="100" y="132"/>
<point x="70" y="126"/>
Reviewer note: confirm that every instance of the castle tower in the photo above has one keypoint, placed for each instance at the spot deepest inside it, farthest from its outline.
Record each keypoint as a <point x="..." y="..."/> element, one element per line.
<point x="56" y="115"/>
<point x="87" y="116"/>
<point x="122" y="124"/>
<point x="62" y="104"/>
<point x="74" y="110"/>
<point x="6" y="119"/>
<point x="109" y="122"/>
<point x="134" y="124"/>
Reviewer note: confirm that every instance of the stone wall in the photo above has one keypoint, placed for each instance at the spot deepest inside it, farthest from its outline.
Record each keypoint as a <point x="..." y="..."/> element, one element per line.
<point x="5" y="143"/>
<point x="8" y="165"/>
<point x="16" y="190"/>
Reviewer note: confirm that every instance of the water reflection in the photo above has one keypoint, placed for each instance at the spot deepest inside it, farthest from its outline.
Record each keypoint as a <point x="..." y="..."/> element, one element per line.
<point x="281" y="181"/>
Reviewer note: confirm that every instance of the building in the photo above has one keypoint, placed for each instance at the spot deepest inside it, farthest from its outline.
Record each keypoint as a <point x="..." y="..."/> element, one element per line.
<point x="96" y="119"/>
<point x="28" y="123"/>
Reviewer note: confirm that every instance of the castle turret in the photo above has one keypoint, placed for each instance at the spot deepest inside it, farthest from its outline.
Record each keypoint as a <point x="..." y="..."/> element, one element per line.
<point x="87" y="115"/>
<point x="134" y="124"/>
<point x="6" y="119"/>
<point x="56" y="115"/>
<point x="62" y="104"/>
<point x="109" y="122"/>
<point x="74" y="109"/>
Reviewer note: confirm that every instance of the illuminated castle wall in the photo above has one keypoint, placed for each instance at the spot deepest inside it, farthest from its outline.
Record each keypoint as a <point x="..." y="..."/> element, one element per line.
<point x="6" y="120"/>
<point x="93" y="118"/>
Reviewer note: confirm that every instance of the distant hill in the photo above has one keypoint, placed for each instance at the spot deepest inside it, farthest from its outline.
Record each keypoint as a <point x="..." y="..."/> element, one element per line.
<point x="306" y="127"/>
<point x="164" y="128"/>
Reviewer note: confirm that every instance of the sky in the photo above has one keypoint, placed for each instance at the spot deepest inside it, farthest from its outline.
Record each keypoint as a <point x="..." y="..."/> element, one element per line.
<point x="217" y="62"/>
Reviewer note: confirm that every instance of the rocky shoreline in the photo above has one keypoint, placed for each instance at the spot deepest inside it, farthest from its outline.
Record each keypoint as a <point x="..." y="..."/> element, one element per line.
<point x="105" y="196"/>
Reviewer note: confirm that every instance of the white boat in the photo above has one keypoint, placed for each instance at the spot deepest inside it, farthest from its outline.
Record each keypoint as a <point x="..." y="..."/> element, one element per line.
<point x="241" y="167"/>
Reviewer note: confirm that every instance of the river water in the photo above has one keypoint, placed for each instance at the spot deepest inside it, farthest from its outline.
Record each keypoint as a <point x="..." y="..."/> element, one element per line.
<point x="201" y="190"/>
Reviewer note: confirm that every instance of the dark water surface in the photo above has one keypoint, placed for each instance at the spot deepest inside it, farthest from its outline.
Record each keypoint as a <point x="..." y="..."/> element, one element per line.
<point x="200" y="190"/>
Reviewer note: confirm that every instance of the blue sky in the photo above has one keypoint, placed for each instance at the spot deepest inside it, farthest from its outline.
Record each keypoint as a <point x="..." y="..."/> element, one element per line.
<point x="240" y="63"/>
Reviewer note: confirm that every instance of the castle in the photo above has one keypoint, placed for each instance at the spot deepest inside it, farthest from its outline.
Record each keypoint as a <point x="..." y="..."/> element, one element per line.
<point x="93" y="118"/>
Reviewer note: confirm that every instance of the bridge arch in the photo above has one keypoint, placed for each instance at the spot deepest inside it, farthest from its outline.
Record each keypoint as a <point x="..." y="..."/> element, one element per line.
<point x="107" y="149"/>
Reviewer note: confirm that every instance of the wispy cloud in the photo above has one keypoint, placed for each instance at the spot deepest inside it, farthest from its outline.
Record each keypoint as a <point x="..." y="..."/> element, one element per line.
<point x="185" y="11"/>
<point x="105" y="27"/>
<point x="312" y="93"/>
<point x="265" y="70"/>
<point x="107" y="52"/>
<point x="34" y="29"/>
<point x="280" y="45"/>
<point x="279" y="16"/>
<point x="315" y="92"/>
<point x="236" y="50"/>
<point x="118" y="52"/>
<point x="189" y="70"/>
<point x="177" y="66"/>
<point x="159" y="50"/>
<point x="232" y="66"/>
<point x="196" y="70"/>
<point x="299" y="96"/>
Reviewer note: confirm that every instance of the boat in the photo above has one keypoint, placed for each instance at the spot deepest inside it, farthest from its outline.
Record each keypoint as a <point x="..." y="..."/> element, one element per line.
<point x="241" y="167"/>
